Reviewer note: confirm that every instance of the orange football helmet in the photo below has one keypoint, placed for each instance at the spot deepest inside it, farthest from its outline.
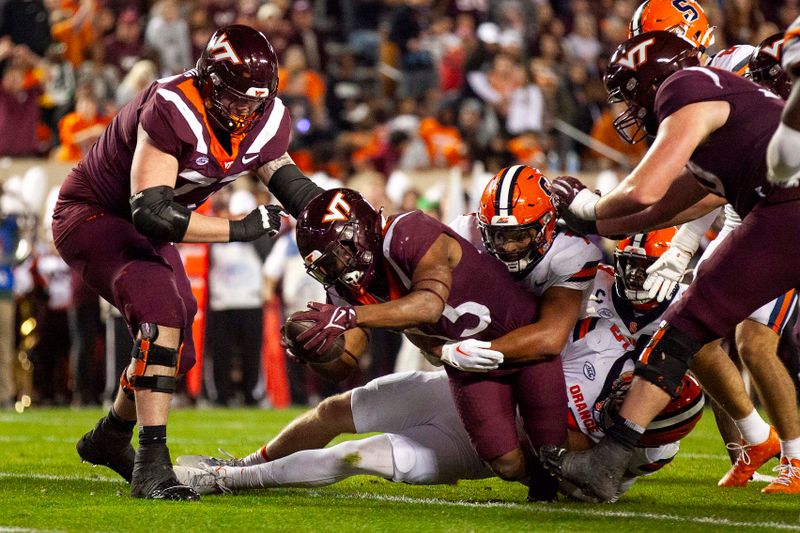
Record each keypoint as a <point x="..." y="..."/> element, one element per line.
<point x="517" y="217"/>
<point x="682" y="17"/>
<point x="632" y="258"/>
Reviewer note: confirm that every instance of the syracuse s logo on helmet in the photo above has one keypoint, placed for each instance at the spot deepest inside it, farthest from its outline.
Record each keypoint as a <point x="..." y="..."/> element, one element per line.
<point x="220" y="49"/>
<point x="636" y="55"/>
<point x="338" y="209"/>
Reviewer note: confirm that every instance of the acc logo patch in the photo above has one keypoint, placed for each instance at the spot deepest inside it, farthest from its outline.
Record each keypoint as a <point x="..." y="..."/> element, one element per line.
<point x="589" y="371"/>
<point x="605" y="313"/>
<point x="202" y="160"/>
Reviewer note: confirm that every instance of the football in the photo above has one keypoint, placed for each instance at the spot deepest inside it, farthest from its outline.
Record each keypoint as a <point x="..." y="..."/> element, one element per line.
<point x="290" y="331"/>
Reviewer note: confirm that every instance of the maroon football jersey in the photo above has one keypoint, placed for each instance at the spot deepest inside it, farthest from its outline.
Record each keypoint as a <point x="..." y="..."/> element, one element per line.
<point x="732" y="162"/>
<point x="484" y="301"/>
<point x="172" y="113"/>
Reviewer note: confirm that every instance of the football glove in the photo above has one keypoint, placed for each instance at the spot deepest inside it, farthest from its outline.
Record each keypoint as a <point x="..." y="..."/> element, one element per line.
<point x="665" y="274"/>
<point x="330" y="322"/>
<point x="471" y="355"/>
<point x="265" y="219"/>
<point x="575" y="204"/>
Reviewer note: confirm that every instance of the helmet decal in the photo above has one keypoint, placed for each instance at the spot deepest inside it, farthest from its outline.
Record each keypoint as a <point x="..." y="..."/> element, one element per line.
<point x="338" y="209"/>
<point x="636" y="55"/>
<point x="220" y="49"/>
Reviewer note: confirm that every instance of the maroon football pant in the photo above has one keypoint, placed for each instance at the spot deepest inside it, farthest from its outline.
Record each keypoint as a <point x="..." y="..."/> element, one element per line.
<point x="487" y="404"/>
<point x="759" y="261"/>
<point x="143" y="278"/>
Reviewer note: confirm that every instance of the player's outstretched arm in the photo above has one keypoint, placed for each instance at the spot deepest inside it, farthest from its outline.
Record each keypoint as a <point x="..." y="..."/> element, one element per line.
<point x="546" y="338"/>
<point x="288" y="184"/>
<point x="155" y="213"/>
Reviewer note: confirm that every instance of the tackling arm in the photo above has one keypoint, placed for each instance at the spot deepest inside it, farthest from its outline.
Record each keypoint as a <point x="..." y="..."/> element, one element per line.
<point x="678" y="136"/>
<point x="546" y="338"/>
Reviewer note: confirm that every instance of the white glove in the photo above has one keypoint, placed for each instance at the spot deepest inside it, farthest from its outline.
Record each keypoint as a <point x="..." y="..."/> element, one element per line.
<point x="471" y="356"/>
<point x="666" y="273"/>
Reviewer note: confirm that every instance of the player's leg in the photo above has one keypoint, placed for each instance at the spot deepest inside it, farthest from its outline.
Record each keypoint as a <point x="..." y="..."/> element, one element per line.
<point x="149" y="286"/>
<point x="542" y="400"/>
<point x="488" y="411"/>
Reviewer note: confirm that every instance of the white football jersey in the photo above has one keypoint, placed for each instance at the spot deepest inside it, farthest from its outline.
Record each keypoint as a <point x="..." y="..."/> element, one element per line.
<point x="791" y="45"/>
<point x="734" y="59"/>
<point x="571" y="261"/>
<point x="604" y="303"/>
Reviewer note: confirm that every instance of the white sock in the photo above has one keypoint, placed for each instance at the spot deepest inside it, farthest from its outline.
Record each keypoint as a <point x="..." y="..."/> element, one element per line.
<point x="791" y="448"/>
<point x="257" y="457"/>
<point x="316" y="468"/>
<point x="753" y="428"/>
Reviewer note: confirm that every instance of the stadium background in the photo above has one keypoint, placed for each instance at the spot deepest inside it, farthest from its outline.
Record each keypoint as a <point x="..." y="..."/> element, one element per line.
<point x="416" y="104"/>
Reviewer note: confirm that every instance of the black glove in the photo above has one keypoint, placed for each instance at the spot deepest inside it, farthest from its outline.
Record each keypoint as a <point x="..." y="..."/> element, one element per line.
<point x="263" y="219"/>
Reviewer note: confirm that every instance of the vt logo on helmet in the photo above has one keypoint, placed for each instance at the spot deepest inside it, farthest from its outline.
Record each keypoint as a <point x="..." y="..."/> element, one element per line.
<point x="339" y="238"/>
<point x="237" y="77"/>
<point x="517" y="217"/>
<point x="765" y="66"/>
<point x="636" y="70"/>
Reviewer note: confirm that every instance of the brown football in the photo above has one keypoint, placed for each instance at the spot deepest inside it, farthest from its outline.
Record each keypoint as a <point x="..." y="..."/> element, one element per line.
<point x="292" y="328"/>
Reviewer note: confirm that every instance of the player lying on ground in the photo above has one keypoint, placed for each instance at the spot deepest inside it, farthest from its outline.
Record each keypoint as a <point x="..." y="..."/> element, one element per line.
<point x="423" y="440"/>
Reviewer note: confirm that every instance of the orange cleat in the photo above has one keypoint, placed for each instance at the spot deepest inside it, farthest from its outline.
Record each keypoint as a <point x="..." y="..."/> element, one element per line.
<point x="788" y="481"/>
<point x="751" y="457"/>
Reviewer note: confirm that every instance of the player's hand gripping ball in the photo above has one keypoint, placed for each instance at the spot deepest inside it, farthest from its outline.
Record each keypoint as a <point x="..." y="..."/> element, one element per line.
<point x="295" y="327"/>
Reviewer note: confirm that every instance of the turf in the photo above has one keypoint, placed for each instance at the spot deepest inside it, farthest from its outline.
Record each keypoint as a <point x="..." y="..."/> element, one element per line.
<point x="43" y="486"/>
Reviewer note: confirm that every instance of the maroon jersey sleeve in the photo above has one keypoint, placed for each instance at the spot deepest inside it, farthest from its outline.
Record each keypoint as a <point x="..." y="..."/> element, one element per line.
<point x="412" y="236"/>
<point x="163" y="122"/>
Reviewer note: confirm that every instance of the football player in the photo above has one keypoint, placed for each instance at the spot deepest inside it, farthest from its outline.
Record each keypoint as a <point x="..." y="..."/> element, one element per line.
<point x="756" y="337"/>
<point x="124" y="205"/>
<point x="711" y="132"/>
<point x="415" y="274"/>
<point x="424" y="442"/>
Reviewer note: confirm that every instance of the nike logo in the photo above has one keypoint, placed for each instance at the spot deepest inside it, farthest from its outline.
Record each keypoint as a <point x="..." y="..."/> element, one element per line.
<point x="537" y="284"/>
<point x="246" y="159"/>
<point x="462" y="352"/>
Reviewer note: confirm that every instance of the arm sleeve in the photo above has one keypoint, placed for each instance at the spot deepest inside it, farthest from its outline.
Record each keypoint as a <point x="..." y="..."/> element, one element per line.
<point x="293" y="189"/>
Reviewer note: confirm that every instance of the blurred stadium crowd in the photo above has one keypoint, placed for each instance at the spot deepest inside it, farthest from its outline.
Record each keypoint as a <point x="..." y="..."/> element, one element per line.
<point x="414" y="103"/>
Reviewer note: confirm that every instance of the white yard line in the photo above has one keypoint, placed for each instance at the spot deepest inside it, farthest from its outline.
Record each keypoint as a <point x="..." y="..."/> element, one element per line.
<point x="593" y="512"/>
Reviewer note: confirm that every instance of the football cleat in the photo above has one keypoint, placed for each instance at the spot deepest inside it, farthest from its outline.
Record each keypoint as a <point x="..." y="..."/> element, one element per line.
<point x="597" y="472"/>
<point x="103" y="446"/>
<point x="196" y="461"/>
<point x="153" y="478"/>
<point x="751" y="457"/>
<point x="205" y="480"/>
<point x="788" y="480"/>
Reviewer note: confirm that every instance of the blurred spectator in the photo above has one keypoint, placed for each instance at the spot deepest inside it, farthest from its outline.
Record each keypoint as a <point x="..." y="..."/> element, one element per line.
<point x="418" y="71"/>
<point x="8" y="245"/>
<point x="80" y="129"/>
<point x="305" y="35"/>
<point x="142" y="74"/>
<point x="604" y="132"/>
<point x="582" y="42"/>
<point x="442" y="138"/>
<point x="83" y="316"/>
<point x="199" y="36"/>
<point x="234" y="320"/>
<point x="99" y="75"/>
<point x="26" y="22"/>
<point x="19" y="107"/>
<point x="303" y="91"/>
<point x="124" y="47"/>
<point x="222" y="12"/>
<point x="168" y="34"/>
<point x="742" y="19"/>
<point x="270" y="22"/>
<point x="59" y="88"/>
<point x="359" y="25"/>
<point x="73" y="27"/>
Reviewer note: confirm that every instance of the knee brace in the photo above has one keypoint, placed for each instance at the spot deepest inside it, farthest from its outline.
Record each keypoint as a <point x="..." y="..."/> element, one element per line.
<point x="665" y="359"/>
<point x="145" y="353"/>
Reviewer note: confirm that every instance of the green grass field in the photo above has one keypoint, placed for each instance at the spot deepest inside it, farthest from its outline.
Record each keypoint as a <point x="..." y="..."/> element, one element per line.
<point x="44" y="487"/>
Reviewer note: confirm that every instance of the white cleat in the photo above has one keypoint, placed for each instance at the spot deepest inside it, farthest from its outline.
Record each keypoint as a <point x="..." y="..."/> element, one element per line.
<point x="195" y="461"/>
<point x="208" y="480"/>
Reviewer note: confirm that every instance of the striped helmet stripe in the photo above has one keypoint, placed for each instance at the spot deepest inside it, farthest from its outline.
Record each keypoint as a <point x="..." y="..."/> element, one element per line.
<point x="638" y="240"/>
<point x="636" y="21"/>
<point x="503" y="202"/>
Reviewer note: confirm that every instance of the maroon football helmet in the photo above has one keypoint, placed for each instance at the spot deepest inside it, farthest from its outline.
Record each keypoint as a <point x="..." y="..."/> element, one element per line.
<point x="339" y="237"/>
<point x="237" y="77"/>
<point x="765" y="66"/>
<point x="636" y="70"/>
